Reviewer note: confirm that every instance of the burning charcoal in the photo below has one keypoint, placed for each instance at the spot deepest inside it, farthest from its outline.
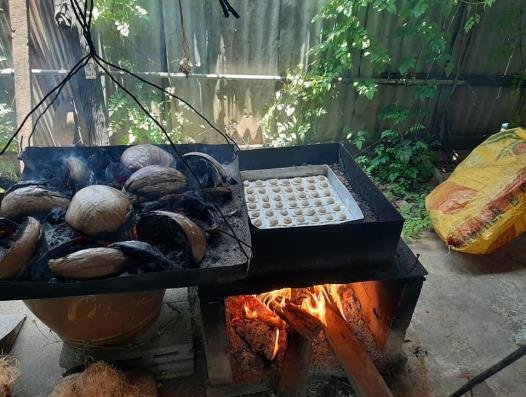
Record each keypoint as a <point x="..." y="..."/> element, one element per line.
<point x="169" y="230"/>
<point x="208" y="170"/>
<point x="190" y="205"/>
<point x="79" y="174"/>
<point x="31" y="200"/>
<point x="90" y="263"/>
<point x="144" y="252"/>
<point x="98" y="210"/>
<point x="153" y="182"/>
<point x="139" y="156"/>
<point x="21" y="247"/>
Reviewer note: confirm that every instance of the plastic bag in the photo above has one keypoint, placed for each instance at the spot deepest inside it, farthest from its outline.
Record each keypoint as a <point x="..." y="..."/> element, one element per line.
<point x="482" y="205"/>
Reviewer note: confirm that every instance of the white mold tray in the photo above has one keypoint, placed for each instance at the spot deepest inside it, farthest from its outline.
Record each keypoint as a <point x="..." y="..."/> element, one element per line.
<point x="298" y="196"/>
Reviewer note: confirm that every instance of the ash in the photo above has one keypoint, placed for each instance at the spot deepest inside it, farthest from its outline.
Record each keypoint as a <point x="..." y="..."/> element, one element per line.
<point x="368" y="213"/>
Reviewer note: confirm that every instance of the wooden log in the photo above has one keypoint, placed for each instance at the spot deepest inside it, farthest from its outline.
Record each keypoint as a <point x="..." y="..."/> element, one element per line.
<point x="302" y="322"/>
<point x="296" y="361"/>
<point x="295" y="366"/>
<point x="352" y="356"/>
<point x="259" y="328"/>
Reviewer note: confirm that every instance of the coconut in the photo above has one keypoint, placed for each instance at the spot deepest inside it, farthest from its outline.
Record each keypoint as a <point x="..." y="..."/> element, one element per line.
<point x="207" y="169"/>
<point x="31" y="200"/>
<point x="21" y="251"/>
<point x="98" y="210"/>
<point x="155" y="181"/>
<point x="169" y="227"/>
<point x="79" y="174"/>
<point x="139" y="156"/>
<point x="89" y="263"/>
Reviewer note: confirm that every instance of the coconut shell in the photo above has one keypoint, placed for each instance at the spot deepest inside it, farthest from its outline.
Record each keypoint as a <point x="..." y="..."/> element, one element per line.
<point x="79" y="174"/>
<point x="89" y="263"/>
<point x="139" y="156"/>
<point x="98" y="209"/>
<point x="154" y="181"/>
<point x="193" y="233"/>
<point x="31" y="200"/>
<point x="22" y="250"/>
<point x="205" y="168"/>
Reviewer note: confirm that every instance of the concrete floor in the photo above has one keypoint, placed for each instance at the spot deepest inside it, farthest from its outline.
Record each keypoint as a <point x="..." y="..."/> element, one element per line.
<point x="471" y="313"/>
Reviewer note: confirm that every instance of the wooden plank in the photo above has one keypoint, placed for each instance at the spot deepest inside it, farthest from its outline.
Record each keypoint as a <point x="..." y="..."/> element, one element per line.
<point x="21" y="66"/>
<point x="360" y="369"/>
<point x="295" y="366"/>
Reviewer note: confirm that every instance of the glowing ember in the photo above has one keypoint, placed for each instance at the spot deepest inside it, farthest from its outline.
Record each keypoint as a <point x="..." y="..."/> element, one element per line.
<point x="276" y="345"/>
<point x="250" y="313"/>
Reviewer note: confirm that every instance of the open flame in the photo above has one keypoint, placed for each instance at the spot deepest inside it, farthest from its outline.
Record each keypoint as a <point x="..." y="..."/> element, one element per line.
<point x="250" y="313"/>
<point x="313" y="300"/>
<point x="276" y="345"/>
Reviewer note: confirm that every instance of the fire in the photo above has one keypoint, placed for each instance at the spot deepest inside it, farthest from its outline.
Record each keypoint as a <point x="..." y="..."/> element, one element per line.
<point x="276" y="345"/>
<point x="313" y="300"/>
<point x="250" y="313"/>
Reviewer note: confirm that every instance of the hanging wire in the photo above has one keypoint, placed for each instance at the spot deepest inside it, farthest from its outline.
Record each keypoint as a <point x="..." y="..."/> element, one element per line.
<point x="172" y="144"/>
<point x="228" y="9"/>
<point x="85" y="24"/>
<point x="70" y="74"/>
<point x="26" y="118"/>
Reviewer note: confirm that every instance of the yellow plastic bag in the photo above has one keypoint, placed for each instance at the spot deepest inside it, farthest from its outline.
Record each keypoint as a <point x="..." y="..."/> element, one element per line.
<point x="482" y="205"/>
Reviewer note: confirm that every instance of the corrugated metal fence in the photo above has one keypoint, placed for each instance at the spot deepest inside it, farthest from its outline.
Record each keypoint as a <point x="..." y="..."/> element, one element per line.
<point x="256" y="49"/>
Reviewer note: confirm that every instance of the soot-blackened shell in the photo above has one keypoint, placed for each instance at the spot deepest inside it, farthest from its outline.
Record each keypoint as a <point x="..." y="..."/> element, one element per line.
<point x="89" y="263"/>
<point x="139" y="156"/>
<point x="98" y="210"/>
<point x="165" y="225"/>
<point x="31" y="200"/>
<point x="155" y="181"/>
<point x="22" y="249"/>
<point x="207" y="169"/>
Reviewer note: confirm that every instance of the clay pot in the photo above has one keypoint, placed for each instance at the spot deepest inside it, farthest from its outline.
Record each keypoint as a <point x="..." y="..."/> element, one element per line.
<point x="99" y="320"/>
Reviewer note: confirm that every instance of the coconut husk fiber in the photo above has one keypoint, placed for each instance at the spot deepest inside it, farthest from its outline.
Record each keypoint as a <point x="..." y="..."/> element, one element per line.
<point x="102" y="380"/>
<point x="9" y="374"/>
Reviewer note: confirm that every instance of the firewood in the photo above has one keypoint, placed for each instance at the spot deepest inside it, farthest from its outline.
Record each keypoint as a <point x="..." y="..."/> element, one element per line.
<point x="254" y="305"/>
<point x="360" y="369"/>
<point x="295" y="366"/>
<point x="302" y="322"/>
<point x="259" y="328"/>
<point x="296" y="361"/>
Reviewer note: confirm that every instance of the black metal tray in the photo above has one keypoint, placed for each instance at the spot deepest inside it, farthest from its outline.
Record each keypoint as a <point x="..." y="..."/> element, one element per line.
<point x="372" y="241"/>
<point x="225" y="261"/>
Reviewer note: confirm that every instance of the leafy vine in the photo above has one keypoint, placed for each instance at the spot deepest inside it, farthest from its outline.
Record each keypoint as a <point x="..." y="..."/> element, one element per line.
<point x="398" y="157"/>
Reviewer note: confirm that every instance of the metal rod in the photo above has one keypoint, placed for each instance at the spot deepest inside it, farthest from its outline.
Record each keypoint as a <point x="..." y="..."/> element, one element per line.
<point x="509" y="359"/>
<point x="227" y="76"/>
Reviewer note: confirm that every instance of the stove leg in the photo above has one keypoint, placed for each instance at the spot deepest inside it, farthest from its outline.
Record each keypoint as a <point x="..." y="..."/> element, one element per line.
<point x="215" y="341"/>
<point x="402" y="315"/>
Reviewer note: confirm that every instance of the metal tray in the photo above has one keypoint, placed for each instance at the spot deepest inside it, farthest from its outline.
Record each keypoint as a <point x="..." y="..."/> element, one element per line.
<point x="225" y="261"/>
<point x="298" y="196"/>
<point x="291" y="252"/>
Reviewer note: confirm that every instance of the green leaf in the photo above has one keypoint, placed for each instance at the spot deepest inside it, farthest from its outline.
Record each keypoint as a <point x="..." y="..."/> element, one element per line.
<point x="407" y="64"/>
<point x="471" y="22"/>
<point x="448" y="68"/>
<point x="366" y="88"/>
<point x="419" y="8"/>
